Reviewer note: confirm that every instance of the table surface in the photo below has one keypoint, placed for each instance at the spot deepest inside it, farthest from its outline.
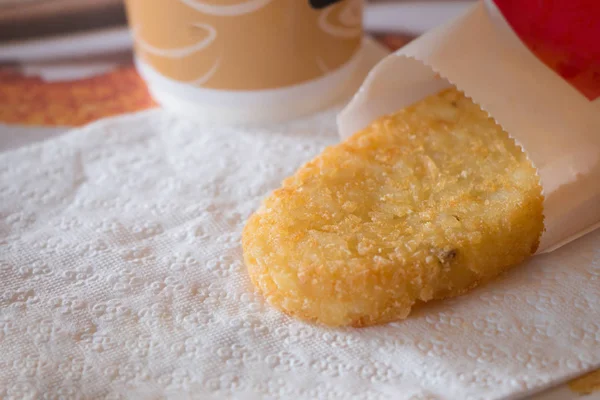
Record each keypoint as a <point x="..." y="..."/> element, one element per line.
<point x="34" y="108"/>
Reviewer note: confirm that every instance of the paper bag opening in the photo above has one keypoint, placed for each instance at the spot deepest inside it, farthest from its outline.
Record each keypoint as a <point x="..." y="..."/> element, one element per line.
<point x="556" y="126"/>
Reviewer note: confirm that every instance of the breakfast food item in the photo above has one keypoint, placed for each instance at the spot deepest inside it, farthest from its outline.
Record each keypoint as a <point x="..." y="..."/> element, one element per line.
<point x="423" y="204"/>
<point x="586" y="384"/>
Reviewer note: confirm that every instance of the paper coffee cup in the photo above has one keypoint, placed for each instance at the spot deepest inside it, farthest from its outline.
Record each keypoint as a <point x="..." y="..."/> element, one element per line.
<point x="554" y="118"/>
<point x="246" y="60"/>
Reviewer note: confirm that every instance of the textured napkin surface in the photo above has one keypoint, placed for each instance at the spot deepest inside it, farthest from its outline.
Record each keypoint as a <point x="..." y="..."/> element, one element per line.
<point x="121" y="276"/>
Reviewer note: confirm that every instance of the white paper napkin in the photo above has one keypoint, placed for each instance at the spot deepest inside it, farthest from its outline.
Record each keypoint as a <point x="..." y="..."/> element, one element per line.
<point x="121" y="276"/>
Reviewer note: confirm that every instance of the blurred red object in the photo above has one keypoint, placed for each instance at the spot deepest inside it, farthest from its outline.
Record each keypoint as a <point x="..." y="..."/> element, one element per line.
<point x="564" y="34"/>
<point x="394" y="42"/>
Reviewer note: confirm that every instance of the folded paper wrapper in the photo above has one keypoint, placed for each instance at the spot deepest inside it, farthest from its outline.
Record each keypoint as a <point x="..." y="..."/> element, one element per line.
<point x="121" y="277"/>
<point x="558" y="127"/>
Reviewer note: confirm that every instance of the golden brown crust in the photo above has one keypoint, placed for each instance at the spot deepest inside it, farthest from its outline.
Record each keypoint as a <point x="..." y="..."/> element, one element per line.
<point x="423" y="204"/>
<point x="586" y="384"/>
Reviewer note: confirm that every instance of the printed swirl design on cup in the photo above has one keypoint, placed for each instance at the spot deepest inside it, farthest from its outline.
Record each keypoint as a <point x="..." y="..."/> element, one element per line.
<point x="185" y="51"/>
<point x="349" y="18"/>
<point x="201" y="80"/>
<point x="232" y="10"/>
<point x="244" y="44"/>
<point x="178" y="52"/>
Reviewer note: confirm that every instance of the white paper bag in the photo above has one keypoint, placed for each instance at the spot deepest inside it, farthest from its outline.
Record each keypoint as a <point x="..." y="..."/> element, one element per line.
<point x="557" y="126"/>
